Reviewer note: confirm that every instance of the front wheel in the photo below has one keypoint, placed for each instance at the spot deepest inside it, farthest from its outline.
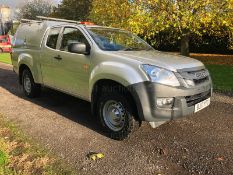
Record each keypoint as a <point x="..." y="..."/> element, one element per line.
<point x="30" y="88"/>
<point x="116" y="116"/>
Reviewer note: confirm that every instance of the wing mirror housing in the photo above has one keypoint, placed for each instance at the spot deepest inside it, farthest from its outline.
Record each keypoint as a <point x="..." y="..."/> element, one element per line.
<point x="79" y="48"/>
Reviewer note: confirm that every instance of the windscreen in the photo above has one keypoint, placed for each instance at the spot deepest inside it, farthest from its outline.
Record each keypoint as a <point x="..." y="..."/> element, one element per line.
<point x="117" y="40"/>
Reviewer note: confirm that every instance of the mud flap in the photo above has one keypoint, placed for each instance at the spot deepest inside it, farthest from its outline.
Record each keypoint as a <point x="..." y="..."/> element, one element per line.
<point x="156" y="124"/>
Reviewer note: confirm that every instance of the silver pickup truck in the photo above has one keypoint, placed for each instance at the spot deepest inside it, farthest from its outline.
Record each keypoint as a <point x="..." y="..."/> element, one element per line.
<point x="123" y="77"/>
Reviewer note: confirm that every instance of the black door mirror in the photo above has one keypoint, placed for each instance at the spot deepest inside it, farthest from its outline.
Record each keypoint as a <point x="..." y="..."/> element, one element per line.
<point x="80" y="48"/>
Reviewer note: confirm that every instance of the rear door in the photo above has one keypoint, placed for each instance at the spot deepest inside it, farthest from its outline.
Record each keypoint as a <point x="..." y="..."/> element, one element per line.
<point x="48" y="60"/>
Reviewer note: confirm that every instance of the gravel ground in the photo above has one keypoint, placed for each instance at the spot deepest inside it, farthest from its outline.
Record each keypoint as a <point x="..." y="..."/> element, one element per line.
<point x="199" y="144"/>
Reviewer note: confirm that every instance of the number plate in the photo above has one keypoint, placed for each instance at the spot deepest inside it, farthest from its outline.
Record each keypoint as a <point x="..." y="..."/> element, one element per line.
<point x="202" y="105"/>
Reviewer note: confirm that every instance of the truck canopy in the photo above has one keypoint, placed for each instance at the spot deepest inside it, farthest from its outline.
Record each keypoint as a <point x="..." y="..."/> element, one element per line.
<point x="31" y="34"/>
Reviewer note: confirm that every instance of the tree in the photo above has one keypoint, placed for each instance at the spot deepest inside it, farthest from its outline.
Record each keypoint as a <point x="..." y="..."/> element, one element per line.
<point x="34" y="8"/>
<point x="181" y="17"/>
<point x="115" y="13"/>
<point x="73" y="10"/>
<point x="184" y="16"/>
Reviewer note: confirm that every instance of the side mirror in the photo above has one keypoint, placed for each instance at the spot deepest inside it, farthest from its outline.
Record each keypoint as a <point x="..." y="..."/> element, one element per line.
<point x="80" y="48"/>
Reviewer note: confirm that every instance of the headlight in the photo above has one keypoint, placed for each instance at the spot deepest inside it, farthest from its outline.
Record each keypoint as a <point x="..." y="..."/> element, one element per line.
<point x="160" y="75"/>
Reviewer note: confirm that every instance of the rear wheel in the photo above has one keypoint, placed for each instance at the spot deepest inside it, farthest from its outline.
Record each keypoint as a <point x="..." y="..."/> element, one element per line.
<point x="116" y="116"/>
<point x="30" y="88"/>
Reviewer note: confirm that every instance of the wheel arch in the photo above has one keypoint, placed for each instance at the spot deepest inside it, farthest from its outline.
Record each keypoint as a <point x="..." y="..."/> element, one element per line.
<point x="22" y="67"/>
<point x="27" y="61"/>
<point x="103" y="84"/>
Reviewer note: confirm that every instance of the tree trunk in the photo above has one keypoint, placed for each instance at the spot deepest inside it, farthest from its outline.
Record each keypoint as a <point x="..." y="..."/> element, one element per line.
<point x="184" y="49"/>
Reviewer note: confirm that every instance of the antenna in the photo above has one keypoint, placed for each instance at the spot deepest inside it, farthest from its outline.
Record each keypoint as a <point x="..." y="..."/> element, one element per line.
<point x="57" y="19"/>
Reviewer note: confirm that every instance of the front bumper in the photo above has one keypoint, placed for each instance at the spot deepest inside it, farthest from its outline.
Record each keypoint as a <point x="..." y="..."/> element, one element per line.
<point x="146" y="93"/>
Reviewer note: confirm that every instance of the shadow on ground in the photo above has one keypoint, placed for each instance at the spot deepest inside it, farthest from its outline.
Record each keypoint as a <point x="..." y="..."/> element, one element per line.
<point x="70" y="107"/>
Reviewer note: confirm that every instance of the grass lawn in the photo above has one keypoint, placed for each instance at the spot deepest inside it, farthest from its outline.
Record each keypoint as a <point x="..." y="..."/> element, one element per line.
<point x="21" y="155"/>
<point x="5" y="58"/>
<point x="221" y="69"/>
<point x="213" y="58"/>
<point x="222" y="76"/>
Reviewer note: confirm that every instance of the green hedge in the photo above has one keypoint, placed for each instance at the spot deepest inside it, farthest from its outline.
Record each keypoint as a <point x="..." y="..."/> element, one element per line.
<point x="207" y="43"/>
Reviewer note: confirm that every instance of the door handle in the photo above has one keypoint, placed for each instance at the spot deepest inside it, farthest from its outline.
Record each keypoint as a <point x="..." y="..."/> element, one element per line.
<point x="58" y="57"/>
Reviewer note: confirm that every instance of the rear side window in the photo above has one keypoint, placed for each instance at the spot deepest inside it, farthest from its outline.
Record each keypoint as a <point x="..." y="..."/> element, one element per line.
<point x="53" y="37"/>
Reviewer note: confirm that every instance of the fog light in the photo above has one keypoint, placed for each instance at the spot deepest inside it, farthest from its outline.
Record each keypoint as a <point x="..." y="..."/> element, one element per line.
<point x="165" y="102"/>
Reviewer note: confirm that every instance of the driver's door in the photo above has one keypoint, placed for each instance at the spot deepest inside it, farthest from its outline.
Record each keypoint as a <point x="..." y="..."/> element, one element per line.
<point x="72" y="69"/>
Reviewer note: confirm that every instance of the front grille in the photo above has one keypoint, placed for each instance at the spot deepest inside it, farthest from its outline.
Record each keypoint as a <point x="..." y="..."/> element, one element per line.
<point x="199" y="81"/>
<point x="192" y="100"/>
<point x="197" y="77"/>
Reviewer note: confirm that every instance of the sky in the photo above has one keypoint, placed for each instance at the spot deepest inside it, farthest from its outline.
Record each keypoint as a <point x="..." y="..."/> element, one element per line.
<point x="16" y="3"/>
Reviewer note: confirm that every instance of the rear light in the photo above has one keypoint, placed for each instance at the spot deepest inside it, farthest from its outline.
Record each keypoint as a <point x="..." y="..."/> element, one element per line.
<point x="86" y="23"/>
<point x="9" y="39"/>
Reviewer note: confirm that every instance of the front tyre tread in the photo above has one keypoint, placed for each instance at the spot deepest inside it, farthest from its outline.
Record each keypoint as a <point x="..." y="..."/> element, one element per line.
<point x="130" y="126"/>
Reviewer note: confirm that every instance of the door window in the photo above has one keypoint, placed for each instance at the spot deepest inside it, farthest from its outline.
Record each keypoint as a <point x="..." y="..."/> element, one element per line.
<point x="53" y="37"/>
<point x="72" y="35"/>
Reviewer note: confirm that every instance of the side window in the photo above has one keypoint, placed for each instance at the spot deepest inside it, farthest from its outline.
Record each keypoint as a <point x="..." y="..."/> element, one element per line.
<point x="72" y="35"/>
<point x="53" y="37"/>
<point x="3" y="40"/>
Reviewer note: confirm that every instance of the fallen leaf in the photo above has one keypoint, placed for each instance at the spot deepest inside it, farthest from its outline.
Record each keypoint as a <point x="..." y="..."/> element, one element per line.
<point x="220" y="158"/>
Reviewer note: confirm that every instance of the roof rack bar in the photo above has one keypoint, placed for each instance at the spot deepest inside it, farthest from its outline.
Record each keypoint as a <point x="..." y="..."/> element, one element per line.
<point x="57" y="19"/>
<point x="29" y="20"/>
